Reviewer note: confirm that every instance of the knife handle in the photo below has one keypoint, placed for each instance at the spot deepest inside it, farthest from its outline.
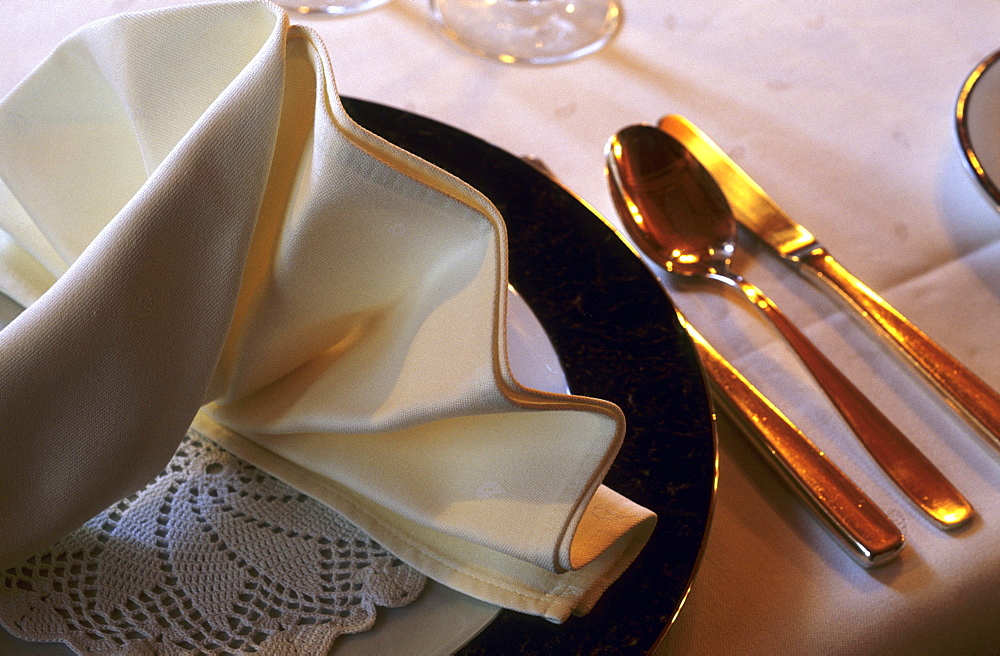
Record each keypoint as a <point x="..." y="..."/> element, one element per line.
<point x="858" y="524"/>
<point x="910" y="469"/>
<point x="963" y="390"/>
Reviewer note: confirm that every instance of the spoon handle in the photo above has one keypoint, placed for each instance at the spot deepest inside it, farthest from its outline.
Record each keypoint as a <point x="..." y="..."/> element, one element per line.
<point x="912" y="472"/>
<point x="964" y="390"/>
<point x="859" y="525"/>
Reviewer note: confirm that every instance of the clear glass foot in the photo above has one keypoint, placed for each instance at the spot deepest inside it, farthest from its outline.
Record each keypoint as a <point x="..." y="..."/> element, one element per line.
<point x="528" y="31"/>
<point x="339" y="7"/>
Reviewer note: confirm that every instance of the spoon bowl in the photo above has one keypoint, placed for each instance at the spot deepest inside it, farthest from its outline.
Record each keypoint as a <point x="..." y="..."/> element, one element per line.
<point x="694" y="235"/>
<point x="677" y="214"/>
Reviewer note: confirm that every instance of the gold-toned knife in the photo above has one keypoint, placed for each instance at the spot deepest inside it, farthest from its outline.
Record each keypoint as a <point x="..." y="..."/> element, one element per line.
<point x="755" y="210"/>
<point x="859" y="526"/>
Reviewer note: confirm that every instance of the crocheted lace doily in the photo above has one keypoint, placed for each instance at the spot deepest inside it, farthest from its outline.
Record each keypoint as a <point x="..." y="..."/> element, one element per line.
<point x="214" y="556"/>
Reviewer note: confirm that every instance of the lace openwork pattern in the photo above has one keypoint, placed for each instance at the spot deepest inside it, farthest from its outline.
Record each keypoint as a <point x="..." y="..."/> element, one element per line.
<point x="214" y="556"/>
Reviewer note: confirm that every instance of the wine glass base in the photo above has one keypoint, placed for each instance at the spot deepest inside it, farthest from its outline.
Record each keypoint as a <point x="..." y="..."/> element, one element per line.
<point x="528" y="31"/>
<point x="331" y="7"/>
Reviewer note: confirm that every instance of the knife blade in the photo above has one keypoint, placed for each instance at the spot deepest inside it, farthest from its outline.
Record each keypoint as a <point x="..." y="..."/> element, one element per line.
<point x="856" y="522"/>
<point x="758" y="213"/>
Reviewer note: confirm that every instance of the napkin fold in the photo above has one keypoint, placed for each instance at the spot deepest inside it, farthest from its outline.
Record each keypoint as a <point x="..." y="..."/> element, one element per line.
<point x="201" y="237"/>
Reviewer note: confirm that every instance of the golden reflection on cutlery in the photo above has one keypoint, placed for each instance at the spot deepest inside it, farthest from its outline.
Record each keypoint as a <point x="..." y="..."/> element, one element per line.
<point x="857" y="523"/>
<point x="676" y="213"/>
<point x="755" y="210"/>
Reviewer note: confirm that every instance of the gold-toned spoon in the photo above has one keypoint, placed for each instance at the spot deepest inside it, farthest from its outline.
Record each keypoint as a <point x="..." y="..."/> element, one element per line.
<point x="853" y="519"/>
<point x="676" y="213"/>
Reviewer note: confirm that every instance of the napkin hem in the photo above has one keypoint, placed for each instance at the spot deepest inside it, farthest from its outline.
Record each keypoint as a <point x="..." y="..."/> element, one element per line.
<point x="450" y="185"/>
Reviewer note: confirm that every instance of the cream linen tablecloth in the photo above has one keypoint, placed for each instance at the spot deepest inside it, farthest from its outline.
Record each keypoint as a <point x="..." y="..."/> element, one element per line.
<point x="843" y="112"/>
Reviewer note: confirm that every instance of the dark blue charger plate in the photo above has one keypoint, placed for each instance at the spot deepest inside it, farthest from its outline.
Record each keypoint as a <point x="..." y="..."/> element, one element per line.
<point x="617" y="337"/>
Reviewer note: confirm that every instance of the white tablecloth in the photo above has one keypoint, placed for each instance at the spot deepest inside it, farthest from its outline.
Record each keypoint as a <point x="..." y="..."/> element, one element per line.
<point x="844" y="112"/>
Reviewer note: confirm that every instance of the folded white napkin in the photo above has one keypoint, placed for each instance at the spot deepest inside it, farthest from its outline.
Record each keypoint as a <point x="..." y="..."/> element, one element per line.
<point x="199" y="233"/>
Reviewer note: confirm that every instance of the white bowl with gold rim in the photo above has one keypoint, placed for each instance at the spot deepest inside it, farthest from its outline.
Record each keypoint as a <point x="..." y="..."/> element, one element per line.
<point x="977" y="115"/>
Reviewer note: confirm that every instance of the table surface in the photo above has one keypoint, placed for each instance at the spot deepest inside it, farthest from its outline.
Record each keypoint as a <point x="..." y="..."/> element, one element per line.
<point x="843" y="112"/>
